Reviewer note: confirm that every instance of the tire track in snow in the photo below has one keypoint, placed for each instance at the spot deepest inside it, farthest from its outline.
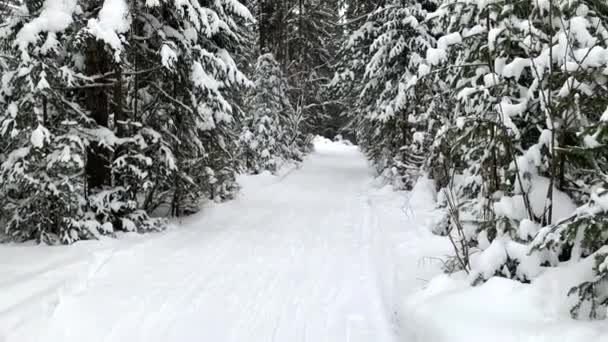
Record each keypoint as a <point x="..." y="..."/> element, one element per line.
<point x="293" y="261"/>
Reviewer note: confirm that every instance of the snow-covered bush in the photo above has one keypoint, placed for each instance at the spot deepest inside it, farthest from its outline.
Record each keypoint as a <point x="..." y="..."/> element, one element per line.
<point x="525" y="142"/>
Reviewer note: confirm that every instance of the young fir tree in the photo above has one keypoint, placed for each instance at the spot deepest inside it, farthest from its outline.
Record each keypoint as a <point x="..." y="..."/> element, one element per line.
<point x="269" y="137"/>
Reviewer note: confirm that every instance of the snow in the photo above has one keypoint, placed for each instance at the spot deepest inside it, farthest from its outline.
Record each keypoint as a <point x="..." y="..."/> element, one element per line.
<point x="114" y="19"/>
<point x="490" y="260"/>
<point x="593" y="57"/>
<point x="600" y="198"/>
<point x="591" y="142"/>
<point x="14" y="157"/>
<point x="39" y="136"/>
<point x="239" y="9"/>
<point x="56" y="16"/>
<point x="493" y="36"/>
<point x="510" y="109"/>
<point x="527" y="229"/>
<point x="543" y="5"/>
<point x="536" y="188"/>
<point x="491" y="80"/>
<point x="320" y="252"/>
<point x="202" y="79"/>
<point x="43" y="84"/>
<point x="515" y="68"/>
<point x="486" y="263"/>
<point x="465" y="93"/>
<point x="423" y="70"/>
<point x="511" y="207"/>
<point x="572" y="84"/>
<point x="563" y="205"/>
<point x="449" y="40"/>
<point x="507" y="110"/>
<point x="13" y="109"/>
<point x="502" y="310"/>
<point x="578" y="29"/>
<point x="436" y="56"/>
<point x="460" y="123"/>
<point x="168" y="56"/>
<point x="475" y="30"/>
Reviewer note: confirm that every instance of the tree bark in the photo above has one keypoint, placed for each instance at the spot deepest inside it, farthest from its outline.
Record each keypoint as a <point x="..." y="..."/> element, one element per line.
<point x="96" y="102"/>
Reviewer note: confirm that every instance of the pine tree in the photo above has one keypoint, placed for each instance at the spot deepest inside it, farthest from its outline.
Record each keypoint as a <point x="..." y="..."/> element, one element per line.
<point x="269" y="138"/>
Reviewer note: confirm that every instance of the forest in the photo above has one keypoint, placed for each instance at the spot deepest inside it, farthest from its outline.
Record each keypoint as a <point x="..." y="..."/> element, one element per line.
<point x="119" y="115"/>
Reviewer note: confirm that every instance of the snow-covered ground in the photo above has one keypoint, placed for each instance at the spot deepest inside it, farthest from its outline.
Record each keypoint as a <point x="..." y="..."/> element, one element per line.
<point x="317" y="253"/>
<point x="321" y="253"/>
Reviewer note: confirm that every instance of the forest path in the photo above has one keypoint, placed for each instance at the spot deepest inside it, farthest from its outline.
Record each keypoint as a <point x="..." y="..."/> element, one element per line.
<point x="297" y="258"/>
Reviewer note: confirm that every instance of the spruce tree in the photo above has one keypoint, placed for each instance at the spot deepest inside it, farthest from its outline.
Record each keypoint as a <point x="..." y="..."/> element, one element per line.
<point x="266" y="135"/>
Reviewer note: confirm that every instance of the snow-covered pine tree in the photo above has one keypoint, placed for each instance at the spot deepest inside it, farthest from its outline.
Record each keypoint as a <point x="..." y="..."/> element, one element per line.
<point x="185" y="79"/>
<point x="267" y="138"/>
<point x="46" y="125"/>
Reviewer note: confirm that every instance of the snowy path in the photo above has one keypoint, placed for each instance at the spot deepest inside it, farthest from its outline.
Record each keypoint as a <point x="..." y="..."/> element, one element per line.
<point x="298" y="258"/>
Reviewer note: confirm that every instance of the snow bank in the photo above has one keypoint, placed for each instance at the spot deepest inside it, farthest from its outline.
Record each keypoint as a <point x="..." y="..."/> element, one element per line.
<point x="448" y="309"/>
<point x="410" y="254"/>
<point x="536" y="188"/>
<point x="34" y="279"/>
<point x="252" y="183"/>
<point x="326" y="146"/>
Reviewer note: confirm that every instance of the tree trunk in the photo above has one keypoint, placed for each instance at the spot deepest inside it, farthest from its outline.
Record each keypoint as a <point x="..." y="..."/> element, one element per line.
<point x="96" y="101"/>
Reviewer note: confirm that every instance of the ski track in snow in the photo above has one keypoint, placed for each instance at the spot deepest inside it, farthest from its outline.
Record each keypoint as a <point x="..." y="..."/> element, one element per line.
<point x="302" y="259"/>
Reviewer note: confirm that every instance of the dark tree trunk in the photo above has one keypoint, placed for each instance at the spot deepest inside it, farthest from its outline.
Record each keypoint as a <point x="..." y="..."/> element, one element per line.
<point x="120" y="117"/>
<point x="98" y="157"/>
<point x="264" y="21"/>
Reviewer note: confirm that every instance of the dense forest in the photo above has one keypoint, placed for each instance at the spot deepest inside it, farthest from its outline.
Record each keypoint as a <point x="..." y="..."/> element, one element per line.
<point x="116" y="114"/>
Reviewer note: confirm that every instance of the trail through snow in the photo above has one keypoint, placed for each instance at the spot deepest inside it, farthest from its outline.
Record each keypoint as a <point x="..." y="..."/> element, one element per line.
<point x="310" y="256"/>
